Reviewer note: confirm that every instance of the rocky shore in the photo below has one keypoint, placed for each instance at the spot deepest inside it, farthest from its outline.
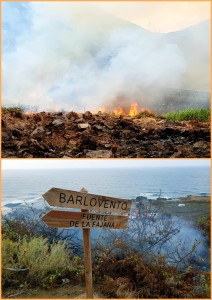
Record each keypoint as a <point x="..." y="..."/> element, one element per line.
<point x="190" y="198"/>
<point x="189" y="208"/>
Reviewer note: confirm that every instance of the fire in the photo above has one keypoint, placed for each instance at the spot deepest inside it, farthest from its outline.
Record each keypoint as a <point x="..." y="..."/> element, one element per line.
<point x="118" y="111"/>
<point x="133" y="109"/>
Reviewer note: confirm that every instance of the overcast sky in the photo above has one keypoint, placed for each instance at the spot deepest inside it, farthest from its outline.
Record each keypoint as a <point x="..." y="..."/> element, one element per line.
<point x="100" y="163"/>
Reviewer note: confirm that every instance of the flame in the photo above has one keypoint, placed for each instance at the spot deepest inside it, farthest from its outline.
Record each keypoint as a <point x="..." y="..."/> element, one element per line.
<point x="133" y="109"/>
<point x="118" y="111"/>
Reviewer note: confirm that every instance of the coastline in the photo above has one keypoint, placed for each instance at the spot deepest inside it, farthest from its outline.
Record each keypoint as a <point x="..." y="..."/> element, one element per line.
<point x="189" y="208"/>
<point x="191" y="198"/>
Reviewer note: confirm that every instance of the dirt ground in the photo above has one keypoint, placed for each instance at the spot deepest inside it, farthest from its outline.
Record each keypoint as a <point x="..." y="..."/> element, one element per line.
<point x="65" y="292"/>
<point x="58" y="135"/>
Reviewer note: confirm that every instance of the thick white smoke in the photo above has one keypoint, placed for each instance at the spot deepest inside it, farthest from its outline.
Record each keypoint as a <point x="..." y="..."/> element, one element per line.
<point x="77" y="57"/>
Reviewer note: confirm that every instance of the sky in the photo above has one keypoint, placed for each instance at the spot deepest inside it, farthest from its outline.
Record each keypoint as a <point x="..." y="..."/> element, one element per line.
<point x="155" y="16"/>
<point x="101" y="163"/>
<point x="160" y="16"/>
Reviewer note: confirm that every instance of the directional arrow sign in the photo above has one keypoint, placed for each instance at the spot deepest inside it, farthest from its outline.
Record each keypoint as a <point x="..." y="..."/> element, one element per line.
<point x="72" y="199"/>
<point x="67" y="219"/>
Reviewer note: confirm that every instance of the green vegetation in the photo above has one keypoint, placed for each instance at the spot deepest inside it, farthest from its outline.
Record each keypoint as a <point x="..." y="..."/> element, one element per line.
<point x="33" y="261"/>
<point x="204" y="224"/>
<point x="44" y="263"/>
<point x="29" y="260"/>
<point x="16" y="111"/>
<point x="202" y="115"/>
<point x="15" y="230"/>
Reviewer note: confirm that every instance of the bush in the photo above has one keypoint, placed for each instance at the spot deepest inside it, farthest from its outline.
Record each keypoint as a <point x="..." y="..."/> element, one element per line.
<point x="137" y="276"/>
<point x="45" y="262"/>
<point x="204" y="224"/>
<point x="15" y="229"/>
<point x="202" y="115"/>
<point x="14" y="111"/>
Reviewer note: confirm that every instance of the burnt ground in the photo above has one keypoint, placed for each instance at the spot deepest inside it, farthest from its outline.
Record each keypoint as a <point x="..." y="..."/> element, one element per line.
<point x="58" y="135"/>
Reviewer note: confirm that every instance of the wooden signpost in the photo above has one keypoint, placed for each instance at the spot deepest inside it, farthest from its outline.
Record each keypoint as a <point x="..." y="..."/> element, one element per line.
<point x="72" y="199"/>
<point x="85" y="219"/>
<point x="69" y="219"/>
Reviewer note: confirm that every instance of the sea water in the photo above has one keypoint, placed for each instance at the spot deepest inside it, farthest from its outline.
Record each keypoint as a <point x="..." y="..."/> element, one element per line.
<point x="28" y="186"/>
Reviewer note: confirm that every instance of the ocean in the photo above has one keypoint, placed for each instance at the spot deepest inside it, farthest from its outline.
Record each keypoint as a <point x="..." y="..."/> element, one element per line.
<point x="28" y="186"/>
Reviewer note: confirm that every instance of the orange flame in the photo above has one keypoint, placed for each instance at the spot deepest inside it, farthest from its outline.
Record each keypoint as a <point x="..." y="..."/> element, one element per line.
<point x="118" y="111"/>
<point x="122" y="111"/>
<point x="133" y="109"/>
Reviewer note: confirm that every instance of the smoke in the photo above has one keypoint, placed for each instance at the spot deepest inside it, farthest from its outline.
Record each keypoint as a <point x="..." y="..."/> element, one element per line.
<point x="77" y="57"/>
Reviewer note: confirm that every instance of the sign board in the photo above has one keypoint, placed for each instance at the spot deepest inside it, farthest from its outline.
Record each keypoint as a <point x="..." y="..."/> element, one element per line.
<point x="72" y="199"/>
<point x="85" y="219"/>
<point x="67" y="219"/>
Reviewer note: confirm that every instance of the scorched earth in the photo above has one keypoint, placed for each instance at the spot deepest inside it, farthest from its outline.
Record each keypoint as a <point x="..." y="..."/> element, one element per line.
<point x="101" y="135"/>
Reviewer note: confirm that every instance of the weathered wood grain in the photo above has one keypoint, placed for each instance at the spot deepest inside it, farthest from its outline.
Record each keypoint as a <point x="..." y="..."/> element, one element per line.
<point x="66" y="219"/>
<point x="72" y="199"/>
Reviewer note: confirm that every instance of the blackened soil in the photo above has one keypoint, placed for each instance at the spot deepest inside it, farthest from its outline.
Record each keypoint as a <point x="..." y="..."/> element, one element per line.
<point x="57" y="135"/>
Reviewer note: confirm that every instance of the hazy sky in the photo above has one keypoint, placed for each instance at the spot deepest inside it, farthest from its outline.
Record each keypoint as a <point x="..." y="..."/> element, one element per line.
<point x="102" y="163"/>
<point x="159" y="16"/>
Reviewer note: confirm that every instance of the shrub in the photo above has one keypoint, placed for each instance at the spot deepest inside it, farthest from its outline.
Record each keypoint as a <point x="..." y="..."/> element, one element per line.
<point x="46" y="263"/>
<point x="202" y="115"/>
<point x="204" y="224"/>
<point x="15" y="229"/>
<point x="9" y="250"/>
<point x="14" y="111"/>
<point x="137" y="276"/>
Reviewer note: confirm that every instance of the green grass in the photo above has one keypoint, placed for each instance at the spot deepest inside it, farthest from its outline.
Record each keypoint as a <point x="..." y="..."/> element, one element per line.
<point x="202" y="115"/>
<point x="13" y="109"/>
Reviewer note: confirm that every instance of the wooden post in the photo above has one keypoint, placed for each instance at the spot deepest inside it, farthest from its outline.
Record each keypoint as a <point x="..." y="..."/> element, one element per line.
<point x="87" y="258"/>
<point x="69" y="219"/>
